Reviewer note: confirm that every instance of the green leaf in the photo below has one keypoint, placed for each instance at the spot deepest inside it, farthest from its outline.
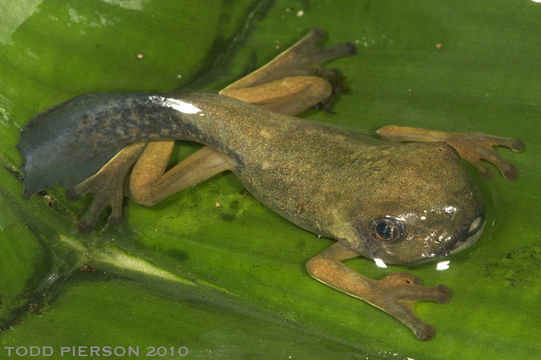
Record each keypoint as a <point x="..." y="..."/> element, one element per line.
<point x="212" y="269"/>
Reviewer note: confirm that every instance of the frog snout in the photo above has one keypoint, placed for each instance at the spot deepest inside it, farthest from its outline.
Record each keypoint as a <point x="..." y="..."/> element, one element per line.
<point x="474" y="232"/>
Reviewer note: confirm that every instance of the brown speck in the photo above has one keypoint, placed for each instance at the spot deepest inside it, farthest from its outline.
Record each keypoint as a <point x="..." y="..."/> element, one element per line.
<point x="139" y="55"/>
<point x="51" y="203"/>
<point x="300" y="208"/>
<point x="88" y="267"/>
<point x="438" y="46"/>
<point x="33" y="307"/>
<point x="277" y="47"/>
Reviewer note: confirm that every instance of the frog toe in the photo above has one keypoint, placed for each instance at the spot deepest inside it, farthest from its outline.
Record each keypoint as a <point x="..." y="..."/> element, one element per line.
<point x="88" y="222"/>
<point x="409" y="288"/>
<point x="313" y="54"/>
<point x="425" y="332"/>
<point x="116" y="208"/>
<point x="491" y="140"/>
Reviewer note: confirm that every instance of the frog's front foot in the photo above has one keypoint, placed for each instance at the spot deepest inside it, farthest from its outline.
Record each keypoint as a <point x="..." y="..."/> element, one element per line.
<point x="474" y="147"/>
<point x="394" y="294"/>
<point x="397" y="292"/>
<point x="107" y="187"/>
<point x="471" y="146"/>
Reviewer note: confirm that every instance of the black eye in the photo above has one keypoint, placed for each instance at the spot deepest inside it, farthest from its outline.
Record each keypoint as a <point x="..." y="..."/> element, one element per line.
<point x="387" y="229"/>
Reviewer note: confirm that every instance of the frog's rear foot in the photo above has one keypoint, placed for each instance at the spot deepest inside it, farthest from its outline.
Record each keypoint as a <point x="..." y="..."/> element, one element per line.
<point x="338" y="86"/>
<point x="107" y="187"/>
<point x="111" y="194"/>
<point x="306" y="55"/>
<point x="295" y="81"/>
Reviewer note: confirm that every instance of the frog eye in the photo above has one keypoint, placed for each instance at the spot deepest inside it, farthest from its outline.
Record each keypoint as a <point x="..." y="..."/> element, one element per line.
<point x="387" y="229"/>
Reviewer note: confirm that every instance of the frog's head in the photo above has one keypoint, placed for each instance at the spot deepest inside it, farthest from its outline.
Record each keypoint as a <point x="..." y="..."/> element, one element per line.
<point x="427" y="207"/>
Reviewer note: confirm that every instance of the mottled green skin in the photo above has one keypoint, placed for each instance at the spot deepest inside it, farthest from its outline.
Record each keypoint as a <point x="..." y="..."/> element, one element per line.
<point x="327" y="180"/>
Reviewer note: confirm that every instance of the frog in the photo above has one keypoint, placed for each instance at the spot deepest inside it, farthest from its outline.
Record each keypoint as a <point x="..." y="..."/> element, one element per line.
<point x="404" y="198"/>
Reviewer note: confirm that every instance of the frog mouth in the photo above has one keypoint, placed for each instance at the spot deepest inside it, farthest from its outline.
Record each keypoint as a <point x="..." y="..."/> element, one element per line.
<point x="474" y="232"/>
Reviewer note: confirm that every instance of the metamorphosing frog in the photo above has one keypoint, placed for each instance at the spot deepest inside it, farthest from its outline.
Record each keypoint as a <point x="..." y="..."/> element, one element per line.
<point x="400" y="203"/>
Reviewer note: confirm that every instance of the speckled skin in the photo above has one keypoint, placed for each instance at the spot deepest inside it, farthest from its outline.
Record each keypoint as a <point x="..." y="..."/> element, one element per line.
<point x="329" y="181"/>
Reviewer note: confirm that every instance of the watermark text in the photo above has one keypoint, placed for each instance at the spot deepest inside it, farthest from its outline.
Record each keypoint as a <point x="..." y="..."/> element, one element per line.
<point x="96" y="351"/>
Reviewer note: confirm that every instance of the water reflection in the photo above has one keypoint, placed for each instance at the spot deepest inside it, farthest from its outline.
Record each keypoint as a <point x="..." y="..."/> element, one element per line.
<point x="443" y="265"/>
<point x="13" y="15"/>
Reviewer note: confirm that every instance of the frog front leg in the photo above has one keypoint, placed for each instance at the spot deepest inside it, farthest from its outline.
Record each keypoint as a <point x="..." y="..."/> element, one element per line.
<point x="471" y="146"/>
<point x="394" y="294"/>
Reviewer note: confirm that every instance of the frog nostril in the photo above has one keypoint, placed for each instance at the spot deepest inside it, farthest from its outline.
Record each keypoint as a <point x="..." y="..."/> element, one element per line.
<point x="476" y="224"/>
<point x="474" y="232"/>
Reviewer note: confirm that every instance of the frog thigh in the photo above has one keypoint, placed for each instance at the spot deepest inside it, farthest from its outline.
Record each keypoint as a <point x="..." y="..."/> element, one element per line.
<point x="149" y="182"/>
<point x="288" y="96"/>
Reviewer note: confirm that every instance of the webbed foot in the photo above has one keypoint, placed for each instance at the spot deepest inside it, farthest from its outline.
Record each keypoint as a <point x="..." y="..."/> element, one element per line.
<point x="294" y="81"/>
<point x="107" y="187"/>
<point x="301" y="59"/>
<point x="471" y="146"/>
<point x="307" y="56"/>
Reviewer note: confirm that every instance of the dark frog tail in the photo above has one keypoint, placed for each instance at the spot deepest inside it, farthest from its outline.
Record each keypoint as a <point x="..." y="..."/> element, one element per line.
<point x="72" y="141"/>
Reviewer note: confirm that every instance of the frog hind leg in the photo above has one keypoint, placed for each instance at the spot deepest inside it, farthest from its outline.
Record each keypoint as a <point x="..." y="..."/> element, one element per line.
<point x="294" y="81"/>
<point x="149" y="182"/>
<point x="107" y="187"/>
<point x="471" y="146"/>
<point x="289" y="84"/>
<point x="394" y="294"/>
